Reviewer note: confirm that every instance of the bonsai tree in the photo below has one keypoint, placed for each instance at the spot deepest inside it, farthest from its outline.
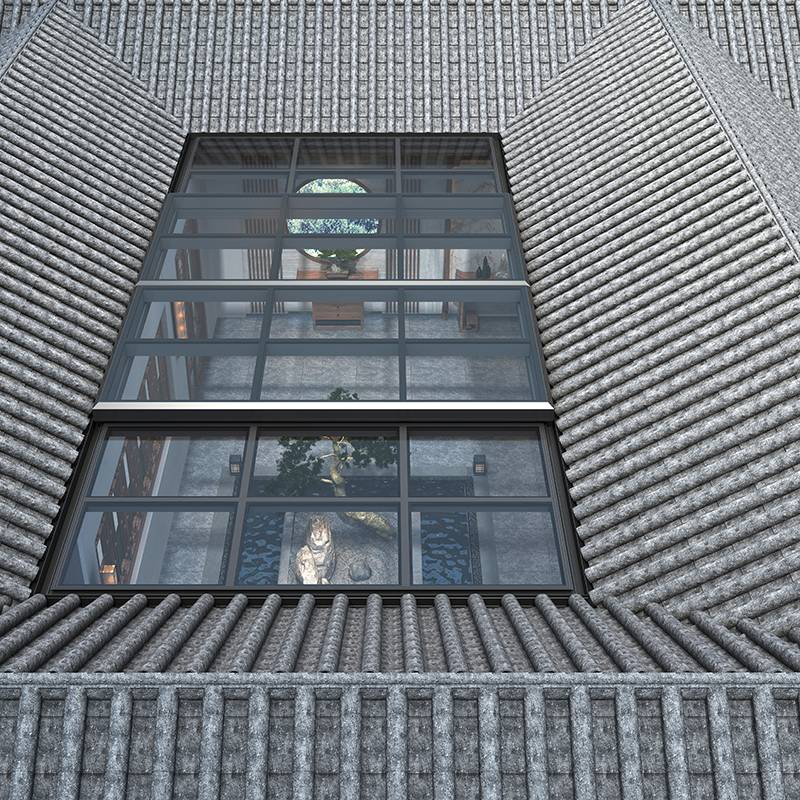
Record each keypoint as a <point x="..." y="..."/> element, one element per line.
<point x="335" y="260"/>
<point x="302" y="466"/>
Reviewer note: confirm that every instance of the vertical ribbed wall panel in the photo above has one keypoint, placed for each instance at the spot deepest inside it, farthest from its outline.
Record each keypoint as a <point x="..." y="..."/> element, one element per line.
<point x="416" y="741"/>
<point x="666" y="295"/>
<point x="87" y="156"/>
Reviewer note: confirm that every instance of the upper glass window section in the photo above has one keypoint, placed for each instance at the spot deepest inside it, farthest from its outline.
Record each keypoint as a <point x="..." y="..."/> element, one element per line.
<point x="329" y="269"/>
<point x="369" y="208"/>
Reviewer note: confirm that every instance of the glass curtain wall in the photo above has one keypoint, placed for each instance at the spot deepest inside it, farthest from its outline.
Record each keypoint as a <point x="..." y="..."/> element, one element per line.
<point x="252" y="507"/>
<point x="325" y="271"/>
<point x="359" y="269"/>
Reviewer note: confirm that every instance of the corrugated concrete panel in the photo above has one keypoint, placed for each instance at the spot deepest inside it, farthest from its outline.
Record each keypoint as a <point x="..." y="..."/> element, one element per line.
<point x="500" y="737"/>
<point x="666" y="292"/>
<point x="334" y="637"/>
<point x="86" y="159"/>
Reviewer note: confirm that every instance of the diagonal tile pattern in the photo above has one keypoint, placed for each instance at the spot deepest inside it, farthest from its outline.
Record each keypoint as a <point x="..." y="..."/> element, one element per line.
<point x="665" y="285"/>
<point x="86" y="159"/>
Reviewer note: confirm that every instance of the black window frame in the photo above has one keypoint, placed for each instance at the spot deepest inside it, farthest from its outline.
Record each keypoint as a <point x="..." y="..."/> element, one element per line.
<point x="417" y="415"/>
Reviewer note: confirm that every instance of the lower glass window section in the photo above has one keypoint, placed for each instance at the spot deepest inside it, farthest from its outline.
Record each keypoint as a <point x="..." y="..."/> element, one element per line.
<point x="485" y="545"/>
<point x="349" y="506"/>
<point x="336" y="545"/>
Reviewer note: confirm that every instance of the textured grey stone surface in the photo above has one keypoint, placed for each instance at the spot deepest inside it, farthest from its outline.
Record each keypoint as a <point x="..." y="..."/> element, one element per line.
<point x="516" y="637"/>
<point x="665" y="281"/>
<point x="490" y="736"/>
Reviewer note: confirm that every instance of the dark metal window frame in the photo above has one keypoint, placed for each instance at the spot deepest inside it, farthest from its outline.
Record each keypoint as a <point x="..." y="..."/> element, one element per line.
<point x="404" y="504"/>
<point x="434" y="415"/>
<point x="131" y="344"/>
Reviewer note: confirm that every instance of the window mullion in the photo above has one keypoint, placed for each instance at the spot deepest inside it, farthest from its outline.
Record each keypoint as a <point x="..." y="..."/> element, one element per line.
<point x="404" y="522"/>
<point x="241" y="508"/>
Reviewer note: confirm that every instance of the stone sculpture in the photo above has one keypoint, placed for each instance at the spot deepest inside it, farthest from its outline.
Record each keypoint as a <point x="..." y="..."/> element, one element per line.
<point x="316" y="559"/>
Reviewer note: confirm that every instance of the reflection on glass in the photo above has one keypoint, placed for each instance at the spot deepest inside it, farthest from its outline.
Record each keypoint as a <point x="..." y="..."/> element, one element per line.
<point x="449" y="183"/>
<point x="225" y="220"/>
<point x="333" y="315"/>
<point x="218" y="264"/>
<point x="485" y="546"/>
<point x="446" y="152"/>
<point x="250" y="182"/>
<point x="351" y="545"/>
<point x="337" y="378"/>
<point x="174" y="377"/>
<point x="477" y="378"/>
<point x="345" y="151"/>
<point x="244" y="152"/>
<point x="458" y="265"/>
<point x="354" y="258"/>
<point x="450" y="222"/>
<point x="218" y="319"/>
<point x="316" y="262"/>
<point x="467" y="318"/>
<point x="186" y="546"/>
<point x="476" y="465"/>
<point x="337" y="464"/>
<point x="149" y="464"/>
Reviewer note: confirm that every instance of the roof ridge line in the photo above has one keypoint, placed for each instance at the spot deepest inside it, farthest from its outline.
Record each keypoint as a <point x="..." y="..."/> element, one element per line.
<point x="727" y="127"/>
<point x="21" y="34"/>
<point x="141" y="84"/>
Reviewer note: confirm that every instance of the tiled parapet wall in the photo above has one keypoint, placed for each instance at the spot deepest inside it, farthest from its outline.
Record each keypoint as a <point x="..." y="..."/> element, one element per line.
<point x="399" y="736"/>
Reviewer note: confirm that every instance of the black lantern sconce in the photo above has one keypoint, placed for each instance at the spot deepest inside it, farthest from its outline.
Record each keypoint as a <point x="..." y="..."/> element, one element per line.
<point x="235" y="464"/>
<point x="479" y="464"/>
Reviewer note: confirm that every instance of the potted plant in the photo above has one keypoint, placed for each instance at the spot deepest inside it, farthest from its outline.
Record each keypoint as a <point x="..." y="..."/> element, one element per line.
<point x="339" y="263"/>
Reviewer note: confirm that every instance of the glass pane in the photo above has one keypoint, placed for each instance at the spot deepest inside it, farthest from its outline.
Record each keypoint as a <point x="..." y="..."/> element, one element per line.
<point x="173" y="377"/>
<point x="243" y="151"/>
<point x="454" y="223"/>
<point x="231" y="220"/>
<point x="446" y="152"/>
<point x="217" y="264"/>
<point x="148" y="464"/>
<point x="486" y="546"/>
<point x="207" y="319"/>
<point x="347" y="151"/>
<point x="467" y="318"/>
<point x="249" y="182"/>
<point x="333" y="315"/>
<point x="315" y="260"/>
<point x="186" y="546"/>
<point x="450" y="183"/>
<point x="375" y="182"/>
<point x="338" y="464"/>
<point x="477" y="465"/>
<point x="467" y="378"/>
<point x="348" y="546"/>
<point x="458" y="264"/>
<point x="337" y="378"/>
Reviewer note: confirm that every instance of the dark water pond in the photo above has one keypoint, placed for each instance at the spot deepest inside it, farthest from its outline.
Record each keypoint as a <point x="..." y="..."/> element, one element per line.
<point x="449" y="538"/>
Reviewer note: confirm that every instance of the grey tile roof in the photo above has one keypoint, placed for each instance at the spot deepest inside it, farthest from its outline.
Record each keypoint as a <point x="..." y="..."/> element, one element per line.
<point x="413" y="636"/>
<point x="668" y="309"/>
<point x="665" y="286"/>
<point x="411" y="66"/>
<point x="763" y="36"/>
<point x="764" y="128"/>
<point x="400" y="737"/>
<point x="87" y="156"/>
